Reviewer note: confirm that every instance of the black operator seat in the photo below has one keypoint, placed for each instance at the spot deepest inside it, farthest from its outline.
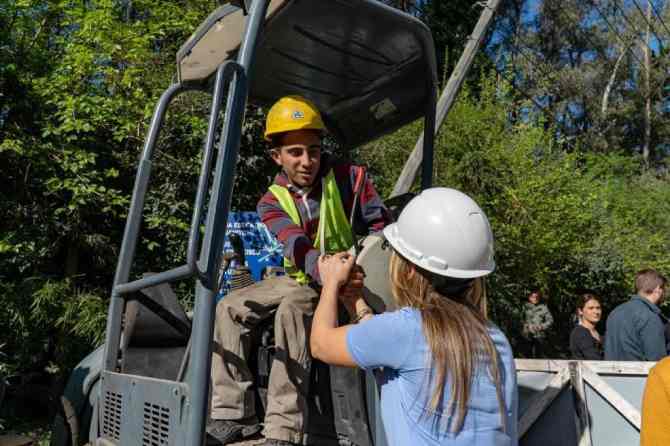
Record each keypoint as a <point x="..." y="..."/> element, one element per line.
<point x="156" y="333"/>
<point x="369" y="68"/>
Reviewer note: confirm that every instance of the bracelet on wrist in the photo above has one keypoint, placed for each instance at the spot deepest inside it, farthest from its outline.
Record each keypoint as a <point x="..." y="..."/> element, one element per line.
<point x="361" y="314"/>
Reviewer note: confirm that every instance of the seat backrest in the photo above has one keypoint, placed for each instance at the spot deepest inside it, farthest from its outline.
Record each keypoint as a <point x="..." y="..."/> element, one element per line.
<point x="154" y="318"/>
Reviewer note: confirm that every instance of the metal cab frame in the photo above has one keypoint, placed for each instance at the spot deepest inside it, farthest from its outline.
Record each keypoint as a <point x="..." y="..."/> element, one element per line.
<point x="369" y="68"/>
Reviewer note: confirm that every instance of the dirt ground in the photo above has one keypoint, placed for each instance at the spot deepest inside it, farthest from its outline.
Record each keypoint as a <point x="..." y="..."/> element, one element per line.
<point x="18" y="440"/>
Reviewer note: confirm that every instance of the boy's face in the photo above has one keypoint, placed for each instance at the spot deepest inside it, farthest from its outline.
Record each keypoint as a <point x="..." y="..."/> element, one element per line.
<point x="299" y="154"/>
<point x="534" y="298"/>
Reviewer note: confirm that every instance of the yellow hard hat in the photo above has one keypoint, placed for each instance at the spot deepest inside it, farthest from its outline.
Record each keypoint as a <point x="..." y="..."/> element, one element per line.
<point x="292" y="113"/>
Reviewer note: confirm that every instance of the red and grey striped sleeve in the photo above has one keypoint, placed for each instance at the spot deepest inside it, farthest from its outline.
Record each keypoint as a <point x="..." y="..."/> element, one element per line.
<point x="297" y="245"/>
<point x="371" y="214"/>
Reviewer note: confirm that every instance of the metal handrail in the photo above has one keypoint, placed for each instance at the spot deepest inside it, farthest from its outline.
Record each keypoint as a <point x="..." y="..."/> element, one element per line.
<point x="224" y="73"/>
<point x="131" y="231"/>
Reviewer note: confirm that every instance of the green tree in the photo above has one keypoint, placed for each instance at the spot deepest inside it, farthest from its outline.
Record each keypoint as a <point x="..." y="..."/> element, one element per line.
<point x="78" y="84"/>
<point x="566" y="222"/>
<point x="597" y="69"/>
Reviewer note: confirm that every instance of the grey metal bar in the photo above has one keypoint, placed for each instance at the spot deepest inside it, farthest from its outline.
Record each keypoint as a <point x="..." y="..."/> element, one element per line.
<point x="217" y="215"/>
<point x="171" y="275"/>
<point x="158" y="117"/>
<point x="254" y="26"/>
<point x="184" y="362"/>
<point x="133" y="221"/>
<point x="223" y="74"/>
<point x="428" y="141"/>
<point x="449" y="94"/>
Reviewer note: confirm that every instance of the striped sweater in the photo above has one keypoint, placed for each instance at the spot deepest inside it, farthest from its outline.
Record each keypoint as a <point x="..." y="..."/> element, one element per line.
<point x="371" y="215"/>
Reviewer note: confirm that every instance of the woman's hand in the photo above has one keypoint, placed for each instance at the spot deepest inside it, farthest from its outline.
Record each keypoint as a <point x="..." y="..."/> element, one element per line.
<point x="335" y="269"/>
<point x="352" y="291"/>
<point x="328" y="342"/>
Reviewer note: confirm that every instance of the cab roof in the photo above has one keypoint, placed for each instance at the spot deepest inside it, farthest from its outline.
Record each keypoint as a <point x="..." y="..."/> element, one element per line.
<point x="368" y="67"/>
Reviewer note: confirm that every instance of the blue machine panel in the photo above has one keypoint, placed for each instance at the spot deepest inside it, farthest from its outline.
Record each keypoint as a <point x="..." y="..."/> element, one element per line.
<point x="261" y="248"/>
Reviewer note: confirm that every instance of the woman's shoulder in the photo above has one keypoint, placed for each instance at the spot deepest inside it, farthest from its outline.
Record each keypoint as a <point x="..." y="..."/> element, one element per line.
<point x="494" y="330"/>
<point x="403" y="317"/>
<point x="579" y="331"/>
<point x="499" y="339"/>
<point x="403" y="313"/>
<point x="398" y="318"/>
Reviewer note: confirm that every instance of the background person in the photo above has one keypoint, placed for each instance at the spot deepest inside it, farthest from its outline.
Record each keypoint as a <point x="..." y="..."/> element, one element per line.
<point x="537" y="321"/>
<point x="634" y="329"/>
<point x="448" y="375"/>
<point x="585" y="341"/>
<point x="307" y="187"/>
<point x="656" y="406"/>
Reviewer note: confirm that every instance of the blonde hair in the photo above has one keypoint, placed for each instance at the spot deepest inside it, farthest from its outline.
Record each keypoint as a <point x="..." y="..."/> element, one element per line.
<point x="453" y="315"/>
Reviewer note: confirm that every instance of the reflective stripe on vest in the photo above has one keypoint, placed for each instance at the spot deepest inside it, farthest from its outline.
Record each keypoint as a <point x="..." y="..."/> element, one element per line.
<point x="334" y="227"/>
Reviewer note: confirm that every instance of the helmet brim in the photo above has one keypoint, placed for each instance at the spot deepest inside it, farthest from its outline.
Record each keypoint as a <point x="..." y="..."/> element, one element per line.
<point x="429" y="264"/>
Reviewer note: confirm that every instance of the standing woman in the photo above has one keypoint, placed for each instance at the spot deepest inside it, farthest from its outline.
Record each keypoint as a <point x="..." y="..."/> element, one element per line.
<point x="447" y="373"/>
<point x="585" y="341"/>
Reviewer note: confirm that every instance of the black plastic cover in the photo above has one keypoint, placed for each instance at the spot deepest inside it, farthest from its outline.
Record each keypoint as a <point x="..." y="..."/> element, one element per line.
<point x="368" y="67"/>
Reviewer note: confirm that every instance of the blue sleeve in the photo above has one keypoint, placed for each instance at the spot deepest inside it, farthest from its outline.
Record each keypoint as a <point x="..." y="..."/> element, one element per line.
<point x="384" y="340"/>
<point x="653" y="339"/>
<point x="509" y="382"/>
<point x="513" y="409"/>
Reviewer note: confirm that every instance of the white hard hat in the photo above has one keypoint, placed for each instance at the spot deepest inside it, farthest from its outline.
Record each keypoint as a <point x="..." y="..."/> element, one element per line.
<point x="445" y="232"/>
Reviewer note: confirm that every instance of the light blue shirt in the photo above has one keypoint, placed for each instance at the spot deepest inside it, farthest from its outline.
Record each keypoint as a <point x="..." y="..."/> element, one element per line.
<point x="395" y="341"/>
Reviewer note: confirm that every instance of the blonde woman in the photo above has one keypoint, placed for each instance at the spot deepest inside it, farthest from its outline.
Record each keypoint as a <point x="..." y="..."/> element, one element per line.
<point x="447" y="373"/>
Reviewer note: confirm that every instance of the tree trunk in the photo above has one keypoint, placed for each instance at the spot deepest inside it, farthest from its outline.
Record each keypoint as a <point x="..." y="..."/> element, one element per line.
<point x="610" y="83"/>
<point x="646" y="144"/>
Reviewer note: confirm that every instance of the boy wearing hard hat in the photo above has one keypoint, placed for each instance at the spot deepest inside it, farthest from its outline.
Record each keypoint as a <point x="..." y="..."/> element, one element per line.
<point x="309" y="187"/>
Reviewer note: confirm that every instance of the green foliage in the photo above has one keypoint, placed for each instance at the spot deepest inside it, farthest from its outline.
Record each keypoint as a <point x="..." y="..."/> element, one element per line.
<point x="584" y="63"/>
<point x="78" y="83"/>
<point x="57" y="324"/>
<point x="566" y="222"/>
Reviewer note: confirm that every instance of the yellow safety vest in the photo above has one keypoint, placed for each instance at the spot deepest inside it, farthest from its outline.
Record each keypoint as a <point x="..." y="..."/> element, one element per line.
<point x="334" y="228"/>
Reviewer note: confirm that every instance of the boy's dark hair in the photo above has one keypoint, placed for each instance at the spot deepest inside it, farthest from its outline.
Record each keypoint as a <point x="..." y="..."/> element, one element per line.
<point x="275" y="141"/>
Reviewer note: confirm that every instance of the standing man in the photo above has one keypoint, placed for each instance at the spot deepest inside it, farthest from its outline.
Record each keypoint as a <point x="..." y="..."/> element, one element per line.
<point x="537" y="321"/>
<point x="308" y="209"/>
<point x="635" y="331"/>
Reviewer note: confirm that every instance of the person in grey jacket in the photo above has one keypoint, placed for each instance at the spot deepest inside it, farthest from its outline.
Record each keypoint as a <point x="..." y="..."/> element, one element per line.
<point x="635" y="331"/>
<point x="537" y="321"/>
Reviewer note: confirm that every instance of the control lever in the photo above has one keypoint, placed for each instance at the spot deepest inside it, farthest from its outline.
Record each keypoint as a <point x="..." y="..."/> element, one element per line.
<point x="238" y="247"/>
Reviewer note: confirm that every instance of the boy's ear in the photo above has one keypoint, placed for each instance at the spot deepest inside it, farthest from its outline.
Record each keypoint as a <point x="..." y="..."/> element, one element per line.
<point x="275" y="154"/>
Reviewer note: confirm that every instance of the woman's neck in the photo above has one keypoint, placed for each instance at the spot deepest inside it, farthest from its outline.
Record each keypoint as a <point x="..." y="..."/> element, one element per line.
<point x="587" y="324"/>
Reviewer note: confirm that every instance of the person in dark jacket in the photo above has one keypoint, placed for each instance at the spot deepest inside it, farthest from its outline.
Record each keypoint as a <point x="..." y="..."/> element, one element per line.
<point x="585" y="341"/>
<point x="634" y="330"/>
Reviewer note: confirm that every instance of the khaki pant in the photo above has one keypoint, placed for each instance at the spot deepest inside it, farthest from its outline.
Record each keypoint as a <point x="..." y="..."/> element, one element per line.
<point x="236" y="316"/>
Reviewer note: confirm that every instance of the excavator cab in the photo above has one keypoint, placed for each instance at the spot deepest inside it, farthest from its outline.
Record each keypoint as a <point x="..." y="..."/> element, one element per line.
<point x="370" y="69"/>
